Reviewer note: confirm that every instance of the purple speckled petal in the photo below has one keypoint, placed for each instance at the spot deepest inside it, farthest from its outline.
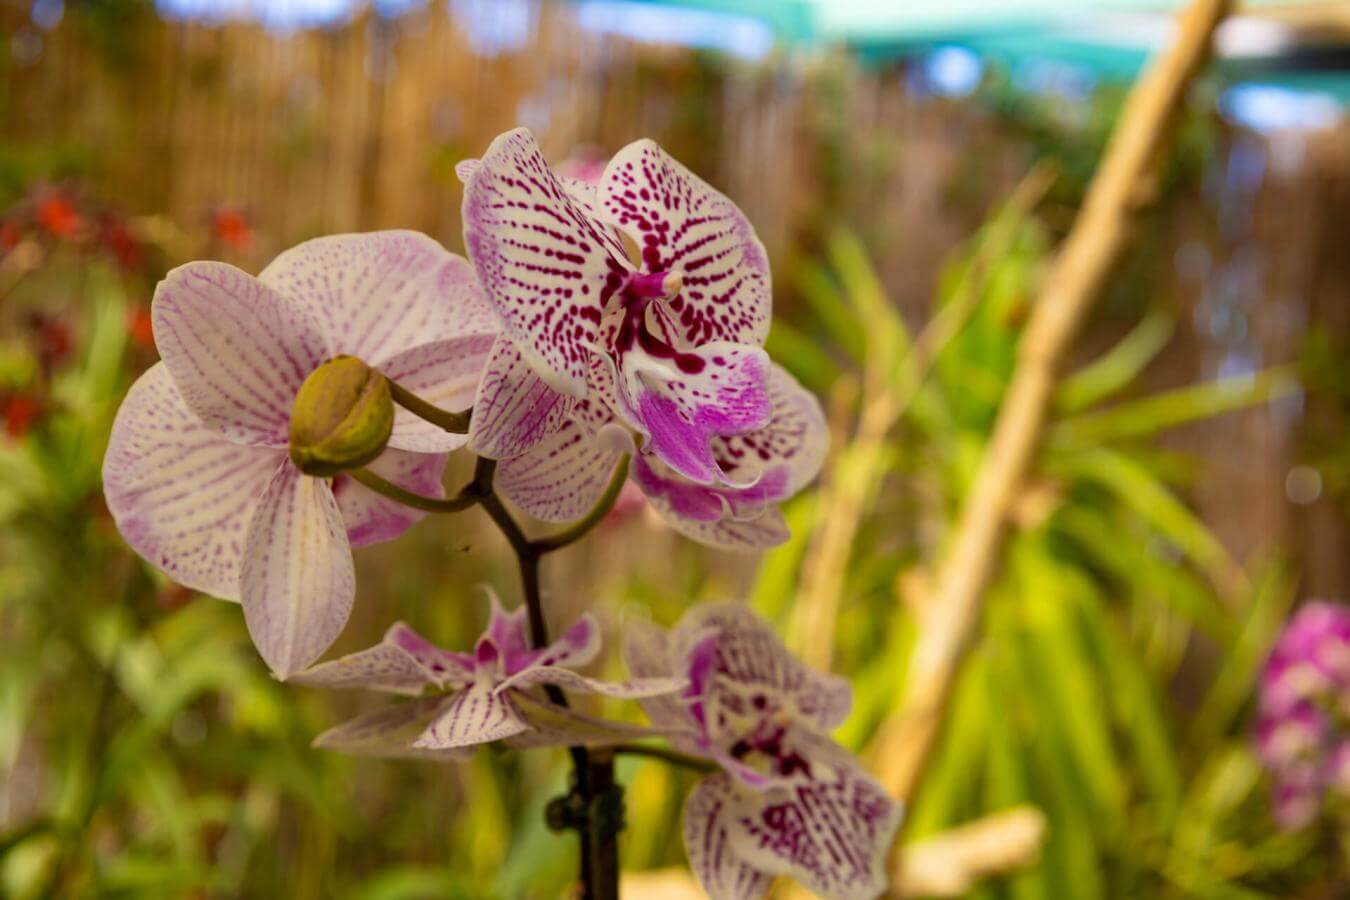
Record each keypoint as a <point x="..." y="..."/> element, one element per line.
<point x="238" y="351"/>
<point x="544" y="263"/>
<point x="830" y="832"/>
<point x="443" y="373"/>
<point x="633" y="689"/>
<point x="561" y="478"/>
<point x="795" y="440"/>
<point x="372" y="518"/>
<point x="721" y="872"/>
<point x="514" y="409"/>
<point x="384" y="667"/>
<point x="682" y="404"/>
<point x="726" y="518"/>
<point x="475" y="715"/>
<point x="556" y="726"/>
<point x="379" y="294"/>
<point x="681" y="223"/>
<point x="182" y="495"/>
<point x="447" y="665"/>
<point x="297" y="581"/>
<point x="390" y="732"/>
<point x="508" y="636"/>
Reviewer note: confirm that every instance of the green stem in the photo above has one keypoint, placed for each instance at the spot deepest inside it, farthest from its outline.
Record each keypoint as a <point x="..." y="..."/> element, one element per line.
<point x="579" y="529"/>
<point x="458" y="503"/>
<point x="453" y="422"/>
<point x="665" y="754"/>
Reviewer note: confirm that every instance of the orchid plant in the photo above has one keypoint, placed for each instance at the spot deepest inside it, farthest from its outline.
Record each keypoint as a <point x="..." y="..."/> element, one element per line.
<point x="598" y="332"/>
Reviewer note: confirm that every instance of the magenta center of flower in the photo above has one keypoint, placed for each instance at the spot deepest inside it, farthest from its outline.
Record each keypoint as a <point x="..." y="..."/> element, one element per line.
<point x="641" y="289"/>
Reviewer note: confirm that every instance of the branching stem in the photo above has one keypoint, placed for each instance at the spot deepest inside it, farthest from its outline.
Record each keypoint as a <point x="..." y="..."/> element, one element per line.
<point x="453" y="422"/>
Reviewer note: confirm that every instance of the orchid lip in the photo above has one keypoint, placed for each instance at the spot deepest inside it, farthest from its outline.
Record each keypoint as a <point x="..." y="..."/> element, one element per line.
<point x="655" y="285"/>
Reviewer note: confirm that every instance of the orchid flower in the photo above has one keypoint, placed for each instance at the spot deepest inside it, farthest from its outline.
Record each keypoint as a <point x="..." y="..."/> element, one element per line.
<point x="197" y="473"/>
<point x="677" y="336"/>
<point x="479" y="697"/>
<point x="1302" y="733"/>
<point x="788" y="800"/>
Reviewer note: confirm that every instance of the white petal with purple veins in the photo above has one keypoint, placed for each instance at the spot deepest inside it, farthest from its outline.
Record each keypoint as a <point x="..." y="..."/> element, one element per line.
<point x="379" y="294"/>
<point x="297" y="581"/>
<point x="448" y="666"/>
<point x="383" y="667"/>
<point x="632" y="689"/>
<point x="560" y="479"/>
<point x="680" y="223"/>
<point x="475" y="715"/>
<point x="543" y="262"/>
<point x="238" y="351"/>
<point x="390" y="733"/>
<point x="514" y="408"/>
<point x="708" y="814"/>
<point x="446" y="375"/>
<point x="372" y="518"/>
<point x="181" y="494"/>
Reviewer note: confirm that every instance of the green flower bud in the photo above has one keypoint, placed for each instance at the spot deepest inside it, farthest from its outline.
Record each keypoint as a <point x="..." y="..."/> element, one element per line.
<point x="341" y="419"/>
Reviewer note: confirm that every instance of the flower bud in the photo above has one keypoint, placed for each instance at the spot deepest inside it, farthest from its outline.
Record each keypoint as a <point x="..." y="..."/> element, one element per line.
<point x="341" y="419"/>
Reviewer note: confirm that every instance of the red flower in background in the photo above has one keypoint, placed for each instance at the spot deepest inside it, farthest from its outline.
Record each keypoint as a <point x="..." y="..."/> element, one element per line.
<point x="141" y="328"/>
<point x="119" y="240"/>
<point x="57" y="215"/>
<point x="20" y="412"/>
<point x="10" y="235"/>
<point x="231" y="227"/>
<point x="53" y="340"/>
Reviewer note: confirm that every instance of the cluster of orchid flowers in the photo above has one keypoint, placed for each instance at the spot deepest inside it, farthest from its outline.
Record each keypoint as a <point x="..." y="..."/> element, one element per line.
<point x="597" y="332"/>
<point x="1303" y="724"/>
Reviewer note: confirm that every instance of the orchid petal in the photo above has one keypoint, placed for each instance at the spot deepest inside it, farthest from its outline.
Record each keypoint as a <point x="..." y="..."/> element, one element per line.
<point x="831" y="833"/>
<point x="562" y="478"/>
<point x="446" y="375"/>
<point x="633" y="689"/>
<point x="682" y="404"/>
<point x="708" y="815"/>
<point x="475" y="715"/>
<point x="794" y="442"/>
<point x="559" y="726"/>
<point x="372" y="518"/>
<point x="514" y="409"/>
<point x="384" y="667"/>
<point x="508" y="635"/>
<point x="237" y="349"/>
<point x="390" y="732"/>
<point x="543" y="261"/>
<point x="379" y="294"/>
<point x="578" y="646"/>
<point x="680" y="223"/>
<point x="448" y="666"/>
<point x="181" y="494"/>
<point x="647" y="654"/>
<point x="708" y="514"/>
<point x="297" y="579"/>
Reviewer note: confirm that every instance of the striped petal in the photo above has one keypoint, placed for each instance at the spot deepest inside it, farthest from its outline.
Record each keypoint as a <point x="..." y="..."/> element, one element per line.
<point x="371" y="518"/>
<point x="543" y="262"/>
<point x="390" y="732"/>
<point x="297" y="580"/>
<point x="681" y="223"/>
<point x="181" y="494"/>
<point x="709" y="814"/>
<point x="237" y="349"/>
<point x="446" y="375"/>
<point x="633" y="689"/>
<point x="795" y="440"/>
<point x="384" y="667"/>
<point x="514" y="408"/>
<point x="562" y="478"/>
<point x="475" y="715"/>
<point x="379" y="294"/>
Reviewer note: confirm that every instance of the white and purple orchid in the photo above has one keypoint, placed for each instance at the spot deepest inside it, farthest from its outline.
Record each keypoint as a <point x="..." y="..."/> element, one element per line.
<point x="197" y="473"/>
<point x="479" y="697"/>
<point x="670" y="346"/>
<point x="788" y="800"/>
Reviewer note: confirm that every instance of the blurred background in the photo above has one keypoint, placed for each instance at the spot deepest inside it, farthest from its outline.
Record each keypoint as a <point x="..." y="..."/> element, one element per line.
<point x="911" y="167"/>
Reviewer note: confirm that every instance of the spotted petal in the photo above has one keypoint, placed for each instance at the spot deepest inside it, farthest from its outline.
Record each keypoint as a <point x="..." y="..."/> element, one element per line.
<point x="794" y="442"/>
<point x="514" y="409"/>
<point x="742" y="520"/>
<point x="475" y="715"/>
<point x="709" y="814"/>
<point x="443" y="373"/>
<point x="562" y="478"/>
<point x="238" y="351"/>
<point x="390" y="733"/>
<point x="297" y="580"/>
<point x="181" y="494"/>
<point x="543" y="262"/>
<point x="372" y="518"/>
<point x="831" y="832"/>
<point x="403" y="663"/>
<point x="681" y="223"/>
<point x="379" y="294"/>
<point x="577" y="646"/>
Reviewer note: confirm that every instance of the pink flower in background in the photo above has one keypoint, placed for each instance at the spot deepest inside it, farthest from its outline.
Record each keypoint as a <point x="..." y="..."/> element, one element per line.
<point x="788" y="800"/>
<point x="678" y="335"/>
<point x="477" y="697"/>
<point x="1303" y="728"/>
<point x="197" y="473"/>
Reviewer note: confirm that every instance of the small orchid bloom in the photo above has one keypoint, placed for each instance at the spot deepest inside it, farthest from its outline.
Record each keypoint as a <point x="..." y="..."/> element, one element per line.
<point x="477" y="697"/>
<point x="197" y="473"/>
<point x="679" y="333"/>
<point x="788" y="801"/>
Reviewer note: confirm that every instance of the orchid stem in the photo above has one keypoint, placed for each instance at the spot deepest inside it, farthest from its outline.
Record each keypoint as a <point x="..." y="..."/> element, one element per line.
<point x="385" y="488"/>
<point x="665" y="754"/>
<point x="453" y="422"/>
<point x="593" y="774"/>
<point x="582" y="526"/>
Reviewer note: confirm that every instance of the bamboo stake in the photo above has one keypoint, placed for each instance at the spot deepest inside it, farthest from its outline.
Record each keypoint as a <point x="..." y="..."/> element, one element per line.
<point x="1100" y="234"/>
